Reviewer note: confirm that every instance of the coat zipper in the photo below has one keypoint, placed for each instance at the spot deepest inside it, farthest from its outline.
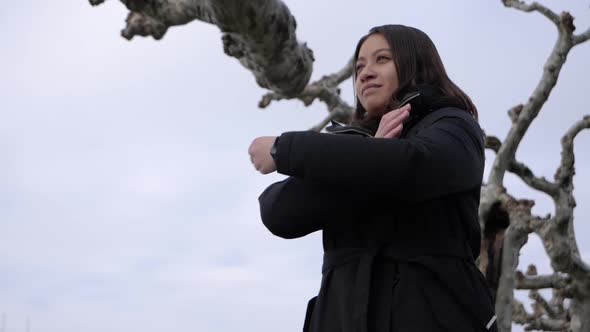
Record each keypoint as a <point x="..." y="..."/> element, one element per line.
<point x="350" y="130"/>
<point x="407" y="99"/>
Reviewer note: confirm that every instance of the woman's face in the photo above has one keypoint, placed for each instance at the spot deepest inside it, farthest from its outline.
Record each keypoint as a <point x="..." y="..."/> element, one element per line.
<point x="376" y="75"/>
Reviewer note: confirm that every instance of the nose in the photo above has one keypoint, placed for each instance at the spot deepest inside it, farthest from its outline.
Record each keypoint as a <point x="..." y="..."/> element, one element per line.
<point x="366" y="74"/>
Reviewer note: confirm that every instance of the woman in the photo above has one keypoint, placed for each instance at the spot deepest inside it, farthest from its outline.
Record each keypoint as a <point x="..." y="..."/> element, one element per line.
<point x="395" y="194"/>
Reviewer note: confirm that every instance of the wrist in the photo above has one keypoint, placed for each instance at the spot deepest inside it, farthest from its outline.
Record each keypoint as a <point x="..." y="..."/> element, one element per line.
<point x="273" y="149"/>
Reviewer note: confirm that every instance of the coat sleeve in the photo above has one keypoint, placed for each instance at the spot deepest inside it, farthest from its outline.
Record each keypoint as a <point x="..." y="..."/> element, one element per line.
<point x="444" y="158"/>
<point x="294" y="207"/>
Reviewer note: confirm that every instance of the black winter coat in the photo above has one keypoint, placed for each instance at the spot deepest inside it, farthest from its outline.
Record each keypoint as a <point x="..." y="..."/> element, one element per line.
<point x="399" y="219"/>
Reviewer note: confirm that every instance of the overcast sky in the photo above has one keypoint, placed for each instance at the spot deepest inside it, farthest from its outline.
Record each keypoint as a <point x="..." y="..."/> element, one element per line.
<point x="127" y="197"/>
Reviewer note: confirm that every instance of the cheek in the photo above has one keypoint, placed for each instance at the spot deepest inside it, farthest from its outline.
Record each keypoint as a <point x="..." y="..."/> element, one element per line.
<point x="391" y="87"/>
<point x="393" y="81"/>
<point x="357" y="88"/>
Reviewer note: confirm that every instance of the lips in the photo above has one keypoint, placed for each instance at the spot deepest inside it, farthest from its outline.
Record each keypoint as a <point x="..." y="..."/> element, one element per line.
<point x="368" y="86"/>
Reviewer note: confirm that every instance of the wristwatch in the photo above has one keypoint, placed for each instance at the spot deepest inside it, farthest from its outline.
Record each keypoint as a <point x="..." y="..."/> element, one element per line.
<point x="273" y="149"/>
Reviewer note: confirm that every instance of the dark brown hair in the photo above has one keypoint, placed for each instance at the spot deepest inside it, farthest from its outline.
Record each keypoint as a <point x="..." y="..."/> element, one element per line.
<point x="417" y="62"/>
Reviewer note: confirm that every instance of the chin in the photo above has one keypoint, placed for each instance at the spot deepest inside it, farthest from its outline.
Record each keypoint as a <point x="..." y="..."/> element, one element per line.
<point x="375" y="109"/>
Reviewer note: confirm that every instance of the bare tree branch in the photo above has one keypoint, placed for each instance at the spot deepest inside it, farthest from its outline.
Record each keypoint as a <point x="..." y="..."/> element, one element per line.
<point x="523" y="171"/>
<point x="259" y="33"/>
<point x="547" y="325"/>
<point x="344" y="73"/>
<point x="565" y="171"/>
<point x="556" y="233"/>
<point x="539" y="183"/>
<point x="166" y="12"/>
<point x="543" y="304"/>
<point x="139" y="24"/>
<point x="535" y="321"/>
<point x="538" y="282"/>
<point x="519" y="313"/>
<point x="332" y="116"/>
<point x="493" y="143"/>
<point x="537" y="223"/>
<point x="558" y="300"/>
<point x="515" y="237"/>
<point x="535" y="6"/>
<point x="582" y="37"/>
<point x="514" y="112"/>
<point x="325" y="89"/>
<point x="531" y="109"/>
<point x="579" y="266"/>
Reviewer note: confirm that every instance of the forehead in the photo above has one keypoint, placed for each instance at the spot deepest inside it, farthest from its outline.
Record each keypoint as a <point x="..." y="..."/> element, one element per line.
<point x="373" y="44"/>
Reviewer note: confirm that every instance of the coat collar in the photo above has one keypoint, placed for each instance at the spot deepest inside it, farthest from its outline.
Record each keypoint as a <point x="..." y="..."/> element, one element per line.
<point x="340" y="128"/>
<point x="425" y="99"/>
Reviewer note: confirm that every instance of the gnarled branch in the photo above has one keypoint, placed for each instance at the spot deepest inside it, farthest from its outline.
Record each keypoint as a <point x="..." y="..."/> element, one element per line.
<point x="530" y="110"/>
<point x="538" y="282"/>
<point x="523" y="171"/>
<point x="326" y="90"/>
<point x="543" y="305"/>
<point x="259" y="33"/>
<point x="544" y="324"/>
<point x="535" y="6"/>
<point x="582" y="37"/>
<point x="565" y="172"/>
<point x="526" y="174"/>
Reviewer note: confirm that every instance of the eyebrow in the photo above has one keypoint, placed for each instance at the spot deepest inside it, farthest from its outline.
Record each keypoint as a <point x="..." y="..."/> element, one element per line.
<point x="377" y="51"/>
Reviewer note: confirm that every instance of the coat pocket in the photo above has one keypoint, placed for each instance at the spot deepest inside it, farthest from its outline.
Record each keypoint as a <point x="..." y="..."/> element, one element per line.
<point x="448" y="315"/>
<point x="487" y="310"/>
<point x="461" y="302"/>
<point x="309" y="313"/>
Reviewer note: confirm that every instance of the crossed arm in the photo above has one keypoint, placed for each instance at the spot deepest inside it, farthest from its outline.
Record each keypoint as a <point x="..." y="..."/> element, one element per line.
<point x="328" y="172"/>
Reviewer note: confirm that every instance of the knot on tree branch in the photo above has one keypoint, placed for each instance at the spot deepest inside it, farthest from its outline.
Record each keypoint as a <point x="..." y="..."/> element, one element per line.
<point x="232" y="46"/>
<point x="514" y="112"/>
<point x="567" y="22"/>
<point x="139" y="24"/>
<point x="520" y="206"/>
<point x="493" y="143"/>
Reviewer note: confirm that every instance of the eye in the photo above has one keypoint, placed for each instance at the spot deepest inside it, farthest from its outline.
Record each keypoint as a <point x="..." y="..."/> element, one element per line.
<point x="359" y="67"/>
<point x="383" y="58"/>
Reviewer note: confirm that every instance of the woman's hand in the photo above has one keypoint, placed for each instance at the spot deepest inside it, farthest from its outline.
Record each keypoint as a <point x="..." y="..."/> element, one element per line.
<point x="259" y="152"/>
<point x="391" y="124"/>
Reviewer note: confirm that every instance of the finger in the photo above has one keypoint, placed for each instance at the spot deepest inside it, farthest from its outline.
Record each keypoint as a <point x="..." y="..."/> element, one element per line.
<point x="395" y="132"/>
<point x="390" y="124"/>
<point x="407" y="107"/>
<point x="252" y="147"/>
<point x="397" y="112"/>
<point x="392" y="119"/>
<point x="398" y="115"/>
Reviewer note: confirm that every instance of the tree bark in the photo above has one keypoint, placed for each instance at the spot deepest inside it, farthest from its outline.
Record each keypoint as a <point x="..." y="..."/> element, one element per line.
<point x="259" y="33"/>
